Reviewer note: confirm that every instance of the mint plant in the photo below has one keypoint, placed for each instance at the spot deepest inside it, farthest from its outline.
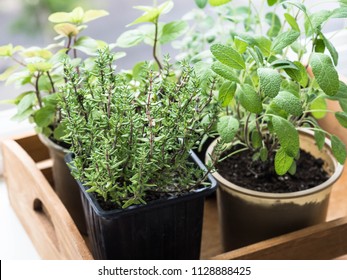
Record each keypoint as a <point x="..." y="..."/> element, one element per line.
<point x="131" y="140"/>
<point x="41" y="69"/>
<point x="266" y="91"/>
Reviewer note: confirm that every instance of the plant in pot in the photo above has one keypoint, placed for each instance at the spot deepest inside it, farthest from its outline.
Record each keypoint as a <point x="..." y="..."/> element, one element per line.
<point x="39" y="71"/>
<point x="143" y="189"/>
<point x="274" y="163"/>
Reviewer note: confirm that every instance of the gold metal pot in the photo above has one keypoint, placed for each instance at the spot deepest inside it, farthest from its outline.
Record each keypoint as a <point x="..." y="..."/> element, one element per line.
<point x="248" y="216"/>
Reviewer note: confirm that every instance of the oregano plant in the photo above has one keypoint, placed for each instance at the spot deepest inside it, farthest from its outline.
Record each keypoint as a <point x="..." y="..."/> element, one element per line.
<point x="151" y="31"/>
<point x="131" y="140"/>
<point x="39" y="70"/>
<point x="266" y="88"/>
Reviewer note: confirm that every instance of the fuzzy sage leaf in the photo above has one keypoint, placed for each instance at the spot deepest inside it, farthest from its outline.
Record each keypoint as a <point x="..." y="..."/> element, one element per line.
<point x="287" y="135"/>
<point x="249" y="99"/>
<point x="227" y="128"/>
<point x="339" y="149"/>
<point x="283" y="162"/>
<point x="325" y="73"/>
<point x="270" y="81"/>
<point x="228" y="56"/>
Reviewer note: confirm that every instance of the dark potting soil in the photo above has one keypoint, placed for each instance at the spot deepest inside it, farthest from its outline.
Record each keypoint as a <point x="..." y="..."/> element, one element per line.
<point x="257" y="176"/>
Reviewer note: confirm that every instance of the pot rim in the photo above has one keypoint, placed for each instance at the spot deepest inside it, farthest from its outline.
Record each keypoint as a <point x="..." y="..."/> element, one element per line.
<point x="332" y="179"/>
<point x="49" y="143"/>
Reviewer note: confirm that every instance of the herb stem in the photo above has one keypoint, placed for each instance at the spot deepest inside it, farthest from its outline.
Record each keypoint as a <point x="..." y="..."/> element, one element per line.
<point x="155" y="44"/>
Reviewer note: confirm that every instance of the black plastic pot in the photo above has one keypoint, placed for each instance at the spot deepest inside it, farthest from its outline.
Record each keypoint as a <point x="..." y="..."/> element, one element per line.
<point x="163" y="229"/>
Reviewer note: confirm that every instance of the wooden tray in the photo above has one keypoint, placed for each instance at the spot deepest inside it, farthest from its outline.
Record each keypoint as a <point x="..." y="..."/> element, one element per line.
<point x="55" y="236"/>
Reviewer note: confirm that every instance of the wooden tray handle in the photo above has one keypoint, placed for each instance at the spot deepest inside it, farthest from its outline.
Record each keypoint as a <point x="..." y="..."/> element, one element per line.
<point x="47" y="222"/>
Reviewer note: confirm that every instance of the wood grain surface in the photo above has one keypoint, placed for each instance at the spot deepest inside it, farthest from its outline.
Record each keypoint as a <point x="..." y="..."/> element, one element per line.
<point x="42" y="214"/>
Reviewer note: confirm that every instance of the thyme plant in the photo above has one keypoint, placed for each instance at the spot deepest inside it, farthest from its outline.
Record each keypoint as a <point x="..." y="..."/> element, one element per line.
<point x="267" y="91"/>
<point x="131" y="140"/>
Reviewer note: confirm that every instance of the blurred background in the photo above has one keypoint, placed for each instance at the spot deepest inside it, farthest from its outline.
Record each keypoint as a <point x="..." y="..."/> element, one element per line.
<point x="24" y="22"/>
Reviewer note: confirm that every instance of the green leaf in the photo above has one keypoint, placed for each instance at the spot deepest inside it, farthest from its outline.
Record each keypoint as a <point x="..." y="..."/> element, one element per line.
<point x="224" y="71"/>
<point x="228" y="56"/>
<point x="283" y="162"/>
<point x="23" y="116"/>
<point x="60" y="131"/>
<point x="258" y="59"/>
<point x="320" y="106"/>
<point x="201" y="3"/>
<point x="86" y="45"/>
<point x="227" y="128"/>
<point x="339" y="149"/>
<point x="284" y="40"/>
<point x="333" y="52"/>
<point x="44" y="116"/>
<point x="287" y="135"/>
<point x="340" y="96"/>
<point x="130" y="38"/>
<point x="26" y="102"/>
<point x="215" y="3"/>
<point x="61" y="17"/>
<point x="283" y="64"/>
<point x="292" y="169"/>
<point x="151" y="14"/>
<point x="77" y="16"/>
<point x="6" y="50"/>
<point x="339" y="13"/>
<point x="316" y="21"/>
<point x="292" y="87"/>
<point x="275" y="24"/>
<point x="299" y="74"/>
<point x="39" y="66"/>
<point x="319" y="136"/>
<point x="343" y="3"/>
<point x="271" y="2"/>
<point x="172" y="31"/>
<point x="270" y="81"/>
<point x="298" y="5"/>
<point x="249" y="99"/>
<point x="240" y="44"/>
<point x="37" y="52"/>
<point x="51" y="99"/>
<point x="256" y="138"/>
<point x="289" y="103"/>
<point x="166" y="7"/>
<point x="342" y="118"/>
<point x="264" y="154"/>
<point x="292" y="22"/>
<point x="325" y="73"/>
<point x="93" y="14"/>
<point x="264" y="44"/>
<point x="319" y="46"/>
<point x="226" y="93"/>
<point x="203" y="71"/>
<point x="66" y="29"/>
